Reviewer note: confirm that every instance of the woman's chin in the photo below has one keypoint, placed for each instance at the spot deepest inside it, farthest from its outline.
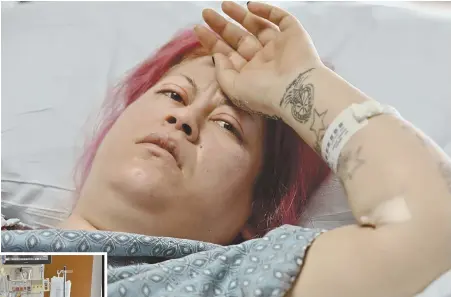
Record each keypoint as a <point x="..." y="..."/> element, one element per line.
<point x="147" y="187"/>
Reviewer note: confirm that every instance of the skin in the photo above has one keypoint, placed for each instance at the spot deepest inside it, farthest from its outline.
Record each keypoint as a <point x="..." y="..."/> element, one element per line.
<point x="376" y="257"/>
<point x="399" y="197"/>
<point x="141" y="189"/>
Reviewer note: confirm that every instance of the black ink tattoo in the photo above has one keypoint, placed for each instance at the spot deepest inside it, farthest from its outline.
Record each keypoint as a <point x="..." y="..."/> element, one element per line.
<point x="348" y="163"/>
<point x="445" y="171"/>
<point x="300" y="97"/>
<point x="319" y="128"/>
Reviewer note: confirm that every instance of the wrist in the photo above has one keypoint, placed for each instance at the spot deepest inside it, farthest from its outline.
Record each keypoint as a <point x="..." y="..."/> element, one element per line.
<point x="297" y="94"/>
<point x="312" y="99"/>
<point x="281" y="90"/>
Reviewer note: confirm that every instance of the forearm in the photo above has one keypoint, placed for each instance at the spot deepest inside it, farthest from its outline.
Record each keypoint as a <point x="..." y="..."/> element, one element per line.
<point x="384" y="160"/>
<point x="394" y="176"/>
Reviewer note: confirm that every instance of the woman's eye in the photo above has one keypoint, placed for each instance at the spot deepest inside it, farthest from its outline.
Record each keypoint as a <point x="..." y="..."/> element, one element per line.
<point x="173" y="95"/>
<point x="230" y="127"/>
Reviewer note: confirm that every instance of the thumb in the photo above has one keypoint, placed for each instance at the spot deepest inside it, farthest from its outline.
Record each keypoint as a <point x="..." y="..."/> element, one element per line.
<point x="225" y="73"/>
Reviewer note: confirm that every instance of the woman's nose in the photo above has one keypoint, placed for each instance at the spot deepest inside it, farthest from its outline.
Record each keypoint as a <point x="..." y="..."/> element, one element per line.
<point x="183" y="124"/>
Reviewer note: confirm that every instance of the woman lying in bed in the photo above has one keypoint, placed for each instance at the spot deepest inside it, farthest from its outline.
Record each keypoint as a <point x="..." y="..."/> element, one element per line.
<point x="180" y="173"/>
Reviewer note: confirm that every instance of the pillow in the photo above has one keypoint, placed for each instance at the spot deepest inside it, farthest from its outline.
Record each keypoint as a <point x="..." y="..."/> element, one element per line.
<point x="60" y="58"/>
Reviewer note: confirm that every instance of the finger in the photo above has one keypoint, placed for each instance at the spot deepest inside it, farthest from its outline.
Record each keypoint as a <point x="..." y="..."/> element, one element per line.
<point x="214" y="44"/>
<point x="276" y="15"/>
<point x="225" y="74"/>
<point x="264" y="30"/>
<point x="242" y="41"/>
<point x="211" y="41"/>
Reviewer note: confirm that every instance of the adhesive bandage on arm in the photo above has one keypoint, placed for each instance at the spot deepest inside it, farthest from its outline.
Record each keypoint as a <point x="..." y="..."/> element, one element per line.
<point x="345" y="125"/>
<point x="390" y="211"/>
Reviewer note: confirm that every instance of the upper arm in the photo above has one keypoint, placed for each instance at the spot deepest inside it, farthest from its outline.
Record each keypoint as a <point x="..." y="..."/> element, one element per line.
<point x="355" y="261"/>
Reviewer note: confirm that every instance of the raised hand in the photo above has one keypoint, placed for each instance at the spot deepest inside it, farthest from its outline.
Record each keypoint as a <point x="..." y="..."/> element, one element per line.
<point x="256" y="65"/>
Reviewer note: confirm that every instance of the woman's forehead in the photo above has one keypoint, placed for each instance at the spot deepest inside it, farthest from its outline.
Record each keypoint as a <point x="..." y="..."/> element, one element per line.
<point x="199" y="70"/>
<point x="202" y="71"/>
<point x="195" y="66"/>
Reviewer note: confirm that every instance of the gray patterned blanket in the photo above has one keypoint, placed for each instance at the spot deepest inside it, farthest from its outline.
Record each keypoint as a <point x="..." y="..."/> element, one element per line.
<point x="141" y="265"/>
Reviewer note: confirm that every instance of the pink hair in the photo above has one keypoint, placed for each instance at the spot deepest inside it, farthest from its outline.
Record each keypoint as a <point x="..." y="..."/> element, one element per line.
<point x="291" y="171"/>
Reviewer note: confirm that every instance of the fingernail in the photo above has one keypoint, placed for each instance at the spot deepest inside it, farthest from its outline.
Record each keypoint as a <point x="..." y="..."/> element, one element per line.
<point x="213" y="58"/>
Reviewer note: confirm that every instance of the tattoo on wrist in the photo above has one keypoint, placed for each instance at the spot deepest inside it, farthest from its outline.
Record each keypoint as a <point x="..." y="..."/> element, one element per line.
<point x="348" y="163"/>
<point x="300" y="96"/>
<point x="319" y="128"/>
<point x="445" y="171"/>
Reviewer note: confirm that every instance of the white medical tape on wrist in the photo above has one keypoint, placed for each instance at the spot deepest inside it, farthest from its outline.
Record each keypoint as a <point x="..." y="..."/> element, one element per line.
<point x="345" y="125"/>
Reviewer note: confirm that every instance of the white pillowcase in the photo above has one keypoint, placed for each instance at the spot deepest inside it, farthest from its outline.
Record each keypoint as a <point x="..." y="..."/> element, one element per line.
<point x="59" y="59"/>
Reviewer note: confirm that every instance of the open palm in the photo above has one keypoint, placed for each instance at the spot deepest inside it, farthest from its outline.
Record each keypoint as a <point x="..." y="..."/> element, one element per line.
<point x="255" y="64"/>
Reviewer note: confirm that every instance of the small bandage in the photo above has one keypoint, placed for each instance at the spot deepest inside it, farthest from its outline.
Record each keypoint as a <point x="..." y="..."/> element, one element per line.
<point x="390" y="211"/>
<point x="345" y="125"/>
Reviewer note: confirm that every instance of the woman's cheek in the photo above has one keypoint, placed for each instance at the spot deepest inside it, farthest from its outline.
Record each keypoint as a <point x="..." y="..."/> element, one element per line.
<point x="230" y="165"/>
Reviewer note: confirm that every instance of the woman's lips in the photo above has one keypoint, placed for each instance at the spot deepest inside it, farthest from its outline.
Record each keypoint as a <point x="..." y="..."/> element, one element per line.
<point x="159" y="151"/>
<point x="160" y="143"/>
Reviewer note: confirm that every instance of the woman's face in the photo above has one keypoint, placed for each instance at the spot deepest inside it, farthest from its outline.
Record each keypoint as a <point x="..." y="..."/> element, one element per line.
<point x="181" y="161"/>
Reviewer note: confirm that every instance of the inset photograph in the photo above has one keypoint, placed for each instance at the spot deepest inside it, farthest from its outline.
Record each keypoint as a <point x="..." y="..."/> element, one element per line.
<point x="52" y="275"/>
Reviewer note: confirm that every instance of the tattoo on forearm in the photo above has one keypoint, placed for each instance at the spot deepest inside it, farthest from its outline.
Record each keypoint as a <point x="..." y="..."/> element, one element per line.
<point x="300" y="96"/>
<point x="319" y="128"/>
<point x="348" y="163"/>
<point x="445" y="171"/>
